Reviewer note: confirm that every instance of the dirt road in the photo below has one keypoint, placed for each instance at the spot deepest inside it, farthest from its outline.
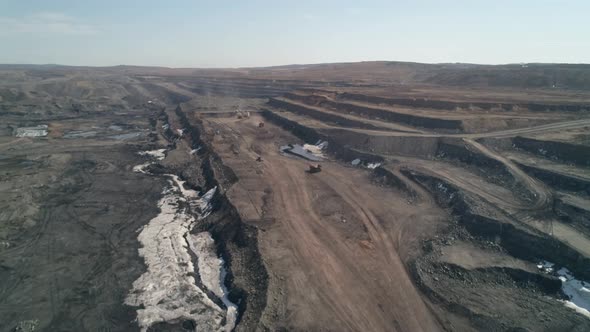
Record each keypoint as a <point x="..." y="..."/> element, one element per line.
<point x="540" y="192"/>
<point x="329" y="235"/>
<point x="395" y="129"/>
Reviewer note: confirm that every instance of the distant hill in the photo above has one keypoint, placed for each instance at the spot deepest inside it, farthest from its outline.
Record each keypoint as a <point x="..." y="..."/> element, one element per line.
<point x="565" y="76"/>
<point x="532" y="75"/>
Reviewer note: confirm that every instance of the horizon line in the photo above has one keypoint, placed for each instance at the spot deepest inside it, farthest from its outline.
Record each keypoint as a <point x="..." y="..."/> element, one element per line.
<point x="294" y="64"/>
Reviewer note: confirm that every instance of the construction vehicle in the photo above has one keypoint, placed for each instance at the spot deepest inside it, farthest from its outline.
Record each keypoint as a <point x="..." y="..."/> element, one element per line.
<point x="315" y="169"/>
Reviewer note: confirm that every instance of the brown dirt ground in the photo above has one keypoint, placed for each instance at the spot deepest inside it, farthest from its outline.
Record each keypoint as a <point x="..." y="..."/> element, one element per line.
<point x="336" y="252"/>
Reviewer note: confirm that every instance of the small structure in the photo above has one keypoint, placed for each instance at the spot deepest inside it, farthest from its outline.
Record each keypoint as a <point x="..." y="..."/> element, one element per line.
<point x="298" y="150"/>
<point x="261" y="125"/>
<point x="313" y="152"/>
<point x="37" y="131"/>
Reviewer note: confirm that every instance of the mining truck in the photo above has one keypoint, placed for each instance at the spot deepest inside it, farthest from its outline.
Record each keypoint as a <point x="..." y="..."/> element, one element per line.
<point x="315" y="169"/>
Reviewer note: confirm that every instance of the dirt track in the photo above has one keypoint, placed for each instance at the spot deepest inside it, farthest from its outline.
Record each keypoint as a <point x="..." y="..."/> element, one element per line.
<point x="540" y="192"/>
<point x="351" y="271"/>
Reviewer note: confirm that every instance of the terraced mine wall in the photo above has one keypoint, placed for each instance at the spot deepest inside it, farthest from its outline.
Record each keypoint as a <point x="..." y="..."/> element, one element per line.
<point x="412" y="120"/>
<point x="558" y="180"/>
<point x="336" y="148"/>
<point x="369" y="112"/>
<point x="574" y="153"/>
<point x="235" y="90"/>
<point x="451" y="105"/>
<point x="572" y="214"/>
<point x="389" y="178"/>
<point x="307" y="99"/>
<point x="527" y="245"/>
<point x="455" y="148"/>
<point x="494" y="171"/>
<point x="327" y="117"/>
<point x="547" y="108"/>
<point x="420" y="271"/>
<point x="425" y="147"/>
<point x="247" y="88"/>
<point x="170" y="97"/>
<point x="247" y="278"/>
<point x="420" y="102"/>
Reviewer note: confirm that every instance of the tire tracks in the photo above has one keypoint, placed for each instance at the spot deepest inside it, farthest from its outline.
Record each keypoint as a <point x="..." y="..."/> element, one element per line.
<point x="543" y="197"/>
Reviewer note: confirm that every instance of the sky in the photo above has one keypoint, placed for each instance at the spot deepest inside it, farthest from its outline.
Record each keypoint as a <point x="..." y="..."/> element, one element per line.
<point x="192" y="33"/>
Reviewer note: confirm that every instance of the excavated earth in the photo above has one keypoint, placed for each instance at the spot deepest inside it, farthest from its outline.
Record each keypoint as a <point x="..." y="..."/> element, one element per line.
<point x="437" y="207"/>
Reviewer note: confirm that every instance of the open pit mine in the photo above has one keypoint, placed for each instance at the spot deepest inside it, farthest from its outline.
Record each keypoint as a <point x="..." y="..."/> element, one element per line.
<point x="374" y="196"/>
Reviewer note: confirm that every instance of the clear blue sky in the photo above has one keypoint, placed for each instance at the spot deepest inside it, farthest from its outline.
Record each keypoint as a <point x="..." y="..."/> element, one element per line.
<point x="191" y="33"/>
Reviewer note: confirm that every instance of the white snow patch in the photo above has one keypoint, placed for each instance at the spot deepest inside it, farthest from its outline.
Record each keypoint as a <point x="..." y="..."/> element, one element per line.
<point x="545" y="266"/>
<point x="578" y="291"/>
<point x="205" y="203"/>
<point x="577" y="308"/>
<point x="373" y="165"/>
<point x="141" y="168"/>
<point x="159" y="154"/>
<point x="201" y="204"/>
<point x="212" y="272"/>
<point x="167" y="291"/>
<point x="187" y="193"/>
